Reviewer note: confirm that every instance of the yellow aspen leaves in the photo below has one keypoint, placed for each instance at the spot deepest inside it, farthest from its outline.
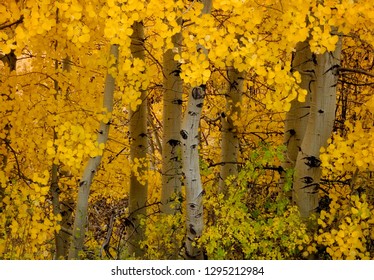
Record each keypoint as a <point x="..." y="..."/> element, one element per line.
<point x="90" y="10"/>
<point x="20" y="33"/>
<point x="345" y="238"/>
<point x="353" y="152"/>
<point x="302" y="93"/>
<point x="52" y="104"/>
<point x="74" y="11"/>
<point x="73" y="145"/>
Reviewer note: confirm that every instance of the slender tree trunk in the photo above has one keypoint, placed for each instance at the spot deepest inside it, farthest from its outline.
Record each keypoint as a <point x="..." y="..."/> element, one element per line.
<point x="138" y="150"/>
<point x="230" y="140"/>
<point x="9" y="60"/>
<point x="191" y="168"/>
<point x="62" y="239"/>
<point x="297" y="116"/>
<point x="80" y="221"/>
<point x="194" y="188"/>
<point x="171" y="140"/>
<point x="320" y="124"/>
<point x="55" y="191"/>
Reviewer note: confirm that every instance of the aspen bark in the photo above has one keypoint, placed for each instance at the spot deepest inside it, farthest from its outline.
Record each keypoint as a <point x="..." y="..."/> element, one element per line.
<point x="319" y="128"/>
<point x="190" y="158"/>
<point x="62" y="239"/>
<point x="191" y="168"/>
<point x="80" y="220"/>
<point x="138" y="150"/>
<point x="171" y="140"/>
<point x="55" y="192"/>
<point x="230" y="140"/>
<point x="297" y="117"/>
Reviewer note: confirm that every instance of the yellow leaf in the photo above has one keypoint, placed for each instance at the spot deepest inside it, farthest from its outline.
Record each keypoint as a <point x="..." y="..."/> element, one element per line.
<point x="354" y="210"/>
<point x="287" y="107"/>
<point x="206" y="73"/>
<point x="84" y="38"/>
<point x="302" y="95"/>
<point x="102" y="146"/>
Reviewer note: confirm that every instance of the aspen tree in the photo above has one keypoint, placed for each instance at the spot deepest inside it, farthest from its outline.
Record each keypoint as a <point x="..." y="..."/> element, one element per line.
<point x="297" y="116"/>
<point x="249" y="222"/>
<point x="191" y="168"/>
<point x="320" y="123"/>
<point x="230" y="140"/>
<point x="138" y="151"/>
<point x="171" y="190"/>
<point x="80" y="220"/>
<point x="62" y="238"/>
<point x="171" y="140"/>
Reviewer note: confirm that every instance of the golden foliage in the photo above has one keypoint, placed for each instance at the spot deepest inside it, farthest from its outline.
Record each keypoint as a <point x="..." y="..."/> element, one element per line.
<point x="51" y="106"/>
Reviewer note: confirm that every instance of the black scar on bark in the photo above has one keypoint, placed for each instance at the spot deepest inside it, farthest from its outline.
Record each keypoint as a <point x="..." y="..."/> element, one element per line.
<point x="177" y="101"/>
<point x="292" y="132"/>
<point x="192" y="230"/>
<point x="197" y="93"/>
<point x="174" y="142"/>
<point x="312" y="161"/>
<point x="184" y="134"/>
<point x="307" y="180"/>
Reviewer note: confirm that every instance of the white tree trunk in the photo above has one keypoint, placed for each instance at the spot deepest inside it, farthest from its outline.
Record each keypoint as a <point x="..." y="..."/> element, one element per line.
<point x="297" y="117"/>
<point x="191" y="168"/>
<point x="138" y="150"/>
<point x="230" y="140"/>
<point x="319" y="128"/>
<point x="171" y="140"/>
<point x="62" y="239"/>
<point x="80" y="221"/>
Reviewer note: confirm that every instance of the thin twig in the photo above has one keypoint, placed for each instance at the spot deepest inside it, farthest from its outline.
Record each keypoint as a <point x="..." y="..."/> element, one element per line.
<point x="357" y="71"/>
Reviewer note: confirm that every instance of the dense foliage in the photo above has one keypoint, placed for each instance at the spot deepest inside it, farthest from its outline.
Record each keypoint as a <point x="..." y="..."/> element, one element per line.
<point x="54" y="60"/>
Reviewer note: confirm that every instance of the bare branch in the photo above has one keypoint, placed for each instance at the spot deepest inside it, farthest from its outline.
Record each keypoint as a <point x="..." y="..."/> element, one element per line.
<point x="20" y="20"/>
<point x="357" y="71"/>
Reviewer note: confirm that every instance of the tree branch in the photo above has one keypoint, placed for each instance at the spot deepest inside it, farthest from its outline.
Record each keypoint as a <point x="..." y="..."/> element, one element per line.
<point x="357" y="71"/>
<point x="20" y="20"/>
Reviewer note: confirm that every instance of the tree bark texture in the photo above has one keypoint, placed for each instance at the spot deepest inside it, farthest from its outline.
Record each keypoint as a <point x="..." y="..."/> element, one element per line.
<point x="80" y="220"/>
<point x="138" y="150"/>
<point x="319" y="128"/>
<point x="297" y="117"/>
<point x="171" y="139"/>
<point x="230" y="140"/>
<point x="190" y="158"/>
<point x="62" y="239"/>
<point x="191" y="168"/>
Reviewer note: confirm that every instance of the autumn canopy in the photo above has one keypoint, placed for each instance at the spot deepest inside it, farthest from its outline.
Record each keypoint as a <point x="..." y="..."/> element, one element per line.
<point x="179" y="129"/>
